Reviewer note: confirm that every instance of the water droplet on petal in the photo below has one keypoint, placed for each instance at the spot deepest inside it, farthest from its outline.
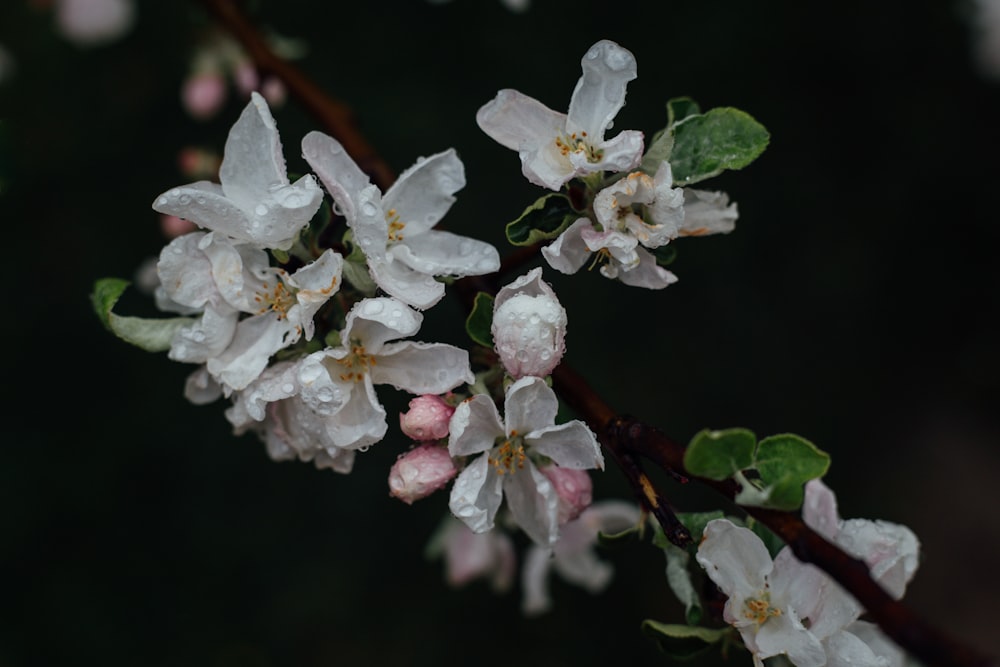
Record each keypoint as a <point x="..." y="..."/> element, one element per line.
<point x="184" y="200"/>
<point x="288" y="387"/>
<point x="372" y="307"/>
<point x="261" y="209"/>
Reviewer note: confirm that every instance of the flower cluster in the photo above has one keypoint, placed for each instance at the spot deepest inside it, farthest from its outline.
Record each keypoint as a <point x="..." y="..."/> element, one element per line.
<point x="788" y="607"/>
<point x="298" y="300"/>
<point x="631" y="206"/>
<point x="297" y="333"/>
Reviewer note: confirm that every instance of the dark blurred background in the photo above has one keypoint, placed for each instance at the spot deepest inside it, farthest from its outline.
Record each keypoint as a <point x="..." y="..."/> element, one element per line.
<point x="854" y="305"/>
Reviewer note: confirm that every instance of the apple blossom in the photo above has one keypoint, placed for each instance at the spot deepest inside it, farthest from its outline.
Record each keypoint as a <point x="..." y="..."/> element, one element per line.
<point x="762" y="594"/>
<point x="507" y="450"/>
<point x="469" y="555"/>
<point x="556" y="147"/>
<point x="395" y="229"/>
<point x="338" y="384"/>
<point x="420" y="472"/>
<point x="254" y="202"/>
<point x="529" y="326"/>
<point x="573" y="556"/>
<point x="207" y="272"/>
<point x="636" y="214"/>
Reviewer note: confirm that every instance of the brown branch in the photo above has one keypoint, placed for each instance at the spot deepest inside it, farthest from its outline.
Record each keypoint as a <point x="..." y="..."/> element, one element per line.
<point x="625" y="438"/>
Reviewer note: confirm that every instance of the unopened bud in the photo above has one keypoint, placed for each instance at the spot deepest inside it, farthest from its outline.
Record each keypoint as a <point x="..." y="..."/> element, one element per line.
<point x="203" y="94"/>
<point x="574" y="488"/>
<point x="529" y="326"/>
<point x="420" y="472"/>
<point x="427" y="418"/>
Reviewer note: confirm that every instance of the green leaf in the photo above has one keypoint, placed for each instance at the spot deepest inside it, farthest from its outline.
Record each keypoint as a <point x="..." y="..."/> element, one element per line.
<point x="662" y="143"/>
<point x="480" y="321"/>
<point x="683" y="642"/>
<point x="545" y="219"/>
<point x="719" y="454"/>
<point x="785" y="463"/>
<point x="707" y="144"/>
<point x="152" y="335"/>
<point x="679" y="108"/>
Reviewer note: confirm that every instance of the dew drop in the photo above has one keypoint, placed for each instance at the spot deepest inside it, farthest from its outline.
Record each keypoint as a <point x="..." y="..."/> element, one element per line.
<point x="162" y="201"/>
<point x="288" y="387"/>
<point x="261" y="209"/>
<point x="369" y="208"/>
<point x="364" y="449"/>
<point x="372" y="307"/>
<point x="184" y="200"/>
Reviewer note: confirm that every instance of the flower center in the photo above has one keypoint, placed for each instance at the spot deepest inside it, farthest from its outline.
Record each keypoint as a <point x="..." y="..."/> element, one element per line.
<point x="395" y="225"/>
<point x="278" y="299"/>
<point x="356" y="363"/>
<point x="573" y="143"/>
<point x="759" y="610"/>
<point x="508" y="456"/>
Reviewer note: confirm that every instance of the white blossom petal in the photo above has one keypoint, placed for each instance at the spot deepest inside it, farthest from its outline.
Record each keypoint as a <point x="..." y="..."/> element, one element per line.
<point x="475" y="426"/>
<point x="422" y="368"/>
<point x="530" y="405"/>
<point x="571" y="445"/>
<point x="476" y="495"/>
<point x="600" y="92"/>
<point x="422" y="194"/>
<point x="647" y="273"/>
<point x="533" y="503"/>
<point x="569" y="252"/>
<point x="338" y="172"/>
<point x="439" y="253"/>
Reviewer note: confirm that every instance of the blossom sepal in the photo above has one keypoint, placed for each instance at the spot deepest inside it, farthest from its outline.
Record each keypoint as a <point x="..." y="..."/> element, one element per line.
<point x="479" y="323"/>
<point x="545" y="219"/>
<point x="684" y="642"/>
<point x="150" y="334"/>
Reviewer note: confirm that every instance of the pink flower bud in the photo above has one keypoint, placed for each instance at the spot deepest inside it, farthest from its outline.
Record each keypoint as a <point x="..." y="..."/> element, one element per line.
<point x="245" y="77"/>
<point x="273" y="91"/>
<point x="427" y="419"/>
<point x="574" y="488"/>
<point x="529" y="326"/>
<point x="420" y="472"/>
<point x="203" y="94"/>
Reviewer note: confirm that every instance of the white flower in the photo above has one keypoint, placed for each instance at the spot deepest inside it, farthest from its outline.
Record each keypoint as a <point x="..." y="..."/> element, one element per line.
<point x="556" y="147"/>
<point x="394" y="230"/>
<point x="621" y="258"/>
<point x="470" y="555"/>
<point x="889" y="549"/>
<point x="735" y="558"/>
<point x="254" y="202"/>
<point x="272" y="408"/>
<point x="505" y="466"/>
<point x="635" y="214"/>
<point x="891" y="552"/>
<point x="207" y="272"/>
<point x="764" y="595"/>
<point x="529" y="326"/>
<point x="573" y="556"/>
<point x="339" y="383"/>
